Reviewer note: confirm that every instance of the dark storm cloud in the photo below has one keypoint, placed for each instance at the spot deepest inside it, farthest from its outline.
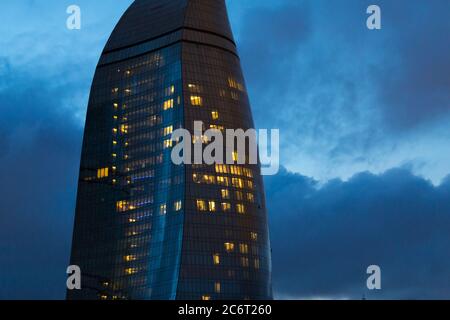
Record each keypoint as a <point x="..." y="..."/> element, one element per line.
<point x="325" y="237"/>
<point x="38" y="171"/>
<point x="415" y="86"/>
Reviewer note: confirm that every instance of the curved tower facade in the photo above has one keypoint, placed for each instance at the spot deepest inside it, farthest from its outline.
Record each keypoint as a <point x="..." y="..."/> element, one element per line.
<point x="146" y="228"/>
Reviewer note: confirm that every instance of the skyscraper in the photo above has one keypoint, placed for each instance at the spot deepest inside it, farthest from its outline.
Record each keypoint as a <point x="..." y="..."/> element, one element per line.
<point x="146" y="228"/>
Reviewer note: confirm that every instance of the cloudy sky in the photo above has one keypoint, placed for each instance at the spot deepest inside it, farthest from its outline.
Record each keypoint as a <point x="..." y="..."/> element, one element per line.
<point x="364" y="119"/>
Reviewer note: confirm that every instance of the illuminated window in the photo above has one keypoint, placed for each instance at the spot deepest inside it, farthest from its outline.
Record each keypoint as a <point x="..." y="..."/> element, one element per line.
<point x="256" y="263"/>
<point x="235" y="156"/>
<point x="212" y="206"/>
<point x="254" y="236"/>
<point x="237" y="183"/>
<point x="250" y="197"/>
<point x="130" y="258"/>
<point x="229" y="247"/>
<point x="217" y="287"/>
<point x="124" y="128"/>
<point x="249" y="184"/>
<point x="225" y="193"/>
<point x="196" y="101"/>
<point x="234" y="95"/>
<point x="223" y="181"/>
<point x="215" y="115"/>
<point x="130" y="271"/>
<point x="114" y="130"/>
<point x="201" y="205"/>
<point x="216" y="259"/>
<point x="194" y="88"/>
<point x="248" y="173"/>
<point x="206" y="298"/>
<point x="243" y="248"/>
<point x="232" y="83"/>
<point x="163" y="209"/>
<point x="196" y="178"/>
<point x="115" y="90"/>
<point x="244" y="262"/>
<point x="222" y="168"/>
<point x="168" y="104"/>
<point x="236" y="170"/>
<point x="240" y="208"/>
<point x="102" y="173"/>
<point x="177" y="206"/>
<point x="168" y="130"/>
<point x="216" y="127"/>
<point x="170" y="90"/>
<point x="122" y="206"/>
<point x="168" y="143"/>
<point x="239" y="196"/>
<point x="226" y="206"/>
<point x="116" y="105"/>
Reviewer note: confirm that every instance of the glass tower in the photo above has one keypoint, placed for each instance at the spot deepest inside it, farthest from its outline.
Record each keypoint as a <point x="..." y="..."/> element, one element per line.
<point x="146" y="228"/>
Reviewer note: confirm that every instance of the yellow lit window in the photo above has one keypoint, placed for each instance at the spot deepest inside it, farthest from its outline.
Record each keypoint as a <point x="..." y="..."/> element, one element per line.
<point x="102" y="173"/>
<point x="114" y="130"/>
<point x="237" y="183"/>
<point x="196" y="178"/>
<point x="196" y="101"/>
<point x="248" y="173"/>
<point x="122" y="206"/>
<point x="216" y="127"/>
<point x="194" y="88"/>
<point x="250" y="197"/>
<point x="124" y="128"/>
<point x="240" y="208"/>
<point x="243" y="248"/>
<point x="130" y="258"/>
<point x="239" y="196"/>
<point x="130" y="270"/>
<point x="115" y="90"/>
<point x="254" y="236"/>
<point x="206" y="298"/>
<point x="168" y="143"/>
<point x="222" y="168"/>
<point x="168" y="104"/>
<point x="226" y="206"/>
<point x="217" y="287"/>
<point x="225" y="193"/>
<point x="223" y="181"/>
<point x="236" y="170"/>
<point x="215" y="115"/>
<point x="201" y="205"/>
<point x="162" y="209"/>
<point x="256" y="263"/>
<point x="116" y="105"/>
<point x="168" y="130"/>
<point x="114" y="142"/>
<point x="177" y="205"/>
<point x="249" y="184"/>
<point x="212" y="206"/>
<point x="216" y="259"/>
<point x="229" y="247"/>
<point x="235" y="156"/>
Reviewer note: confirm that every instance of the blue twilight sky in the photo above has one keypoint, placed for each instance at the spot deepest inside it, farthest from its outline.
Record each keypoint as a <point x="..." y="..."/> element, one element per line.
<point x="365" y="140"/>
